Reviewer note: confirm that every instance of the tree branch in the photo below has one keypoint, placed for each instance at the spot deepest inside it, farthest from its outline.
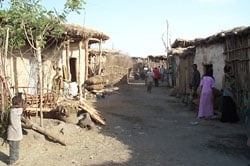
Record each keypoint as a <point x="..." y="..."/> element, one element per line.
<point x="25" y="32"/>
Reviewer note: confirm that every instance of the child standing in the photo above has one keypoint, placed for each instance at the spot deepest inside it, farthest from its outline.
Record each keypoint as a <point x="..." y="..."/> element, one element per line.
<point x="15" y="135"/>
<point x="149" y="80"/>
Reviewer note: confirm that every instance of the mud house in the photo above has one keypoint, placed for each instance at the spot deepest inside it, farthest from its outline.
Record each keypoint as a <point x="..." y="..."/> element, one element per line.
<point x="230" y="47"/>
<point x="209" y="53"/>
<point x="97" y="61"/>
<point x="157" y="60"/>
<point x="183" y="51"/>
<point x="111" y="64"/>
<point x="69" y="52"/>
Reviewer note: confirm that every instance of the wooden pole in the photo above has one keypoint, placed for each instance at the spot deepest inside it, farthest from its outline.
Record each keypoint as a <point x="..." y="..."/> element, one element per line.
<point x="79" y="70"/>
<point x="67" y="73"/>
<point x="86" y="47"/>
<point x="6" y="51"/>
<point x="2" y="99"/>
<point x="40" y="77"/>
<point x="100" y="57"/>
<point x="167" y="36"/>
<point x="7" y="88"/>
<point x="4" y="86"/>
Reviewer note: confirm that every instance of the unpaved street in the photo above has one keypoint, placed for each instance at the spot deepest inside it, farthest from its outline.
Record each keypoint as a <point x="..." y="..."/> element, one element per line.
<point x="157" y="129"/>
<point x="142" y="130"/>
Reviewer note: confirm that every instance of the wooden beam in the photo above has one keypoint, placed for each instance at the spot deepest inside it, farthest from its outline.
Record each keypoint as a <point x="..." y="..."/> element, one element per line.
<point x="86" y="44"/>
<point x="94" y="39"/>
<point x="40" y="76"/>
<point x="79" y="69"/>
<point x="100" y="57"/>
<point x="92" y="112"/>
<point x="33" y="109"/>
<point x="67" y="74"/>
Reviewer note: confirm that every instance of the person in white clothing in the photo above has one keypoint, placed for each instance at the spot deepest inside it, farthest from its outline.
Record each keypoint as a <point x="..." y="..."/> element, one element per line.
<point x="149" y="80"/>
<point x="162" y="72"/>
<point x="15" y="134"/>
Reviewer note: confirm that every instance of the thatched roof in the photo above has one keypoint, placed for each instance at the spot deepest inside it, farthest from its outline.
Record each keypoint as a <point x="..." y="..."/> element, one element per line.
<point x="221" y="36"/>
<point x="158" y="57"/>
<point x="105" y="52"/>
<point x="216" y="38"/>
<point x="78" y="32"/>
<point x="182" y="43"/>
<point x="183" y="52"/>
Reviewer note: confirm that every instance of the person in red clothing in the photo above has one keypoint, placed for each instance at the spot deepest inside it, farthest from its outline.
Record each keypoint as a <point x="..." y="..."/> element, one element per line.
<point x="156" y="76"/>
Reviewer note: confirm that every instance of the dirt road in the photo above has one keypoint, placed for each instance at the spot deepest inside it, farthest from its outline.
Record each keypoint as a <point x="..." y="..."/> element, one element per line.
<point x="142" y="130"/>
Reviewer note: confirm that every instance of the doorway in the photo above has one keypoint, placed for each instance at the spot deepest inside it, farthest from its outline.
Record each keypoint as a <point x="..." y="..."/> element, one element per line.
<point x="208" y="68"/>
<point x="72" y="64"/>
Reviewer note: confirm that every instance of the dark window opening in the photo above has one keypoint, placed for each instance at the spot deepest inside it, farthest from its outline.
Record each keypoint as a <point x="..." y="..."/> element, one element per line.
<point x="72" y="63"/>
<point x="208" y="68"/>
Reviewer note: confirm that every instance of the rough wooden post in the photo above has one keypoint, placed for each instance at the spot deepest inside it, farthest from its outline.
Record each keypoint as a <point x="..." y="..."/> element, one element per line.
<point x="67" y="74"/>
<point x="4" y="85"/>
<point x="86" y="45"/>
<point x="100" y="57"/>
<point x="79" y="69"/>
<point x="40" y="77"/>
<point x="2" y="99"/>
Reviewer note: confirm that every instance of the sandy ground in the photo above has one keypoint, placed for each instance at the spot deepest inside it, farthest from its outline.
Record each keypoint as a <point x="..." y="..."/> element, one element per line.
<point x="142" y="130"/>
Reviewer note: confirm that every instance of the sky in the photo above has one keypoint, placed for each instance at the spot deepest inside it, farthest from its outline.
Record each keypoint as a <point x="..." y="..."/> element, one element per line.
<point x="136" y="26"/>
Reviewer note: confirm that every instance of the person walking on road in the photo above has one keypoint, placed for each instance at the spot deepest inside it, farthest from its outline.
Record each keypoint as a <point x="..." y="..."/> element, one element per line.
<point x="162" y="72"/>
<point x="149" y="80"/>
<point x="156" y="76"/>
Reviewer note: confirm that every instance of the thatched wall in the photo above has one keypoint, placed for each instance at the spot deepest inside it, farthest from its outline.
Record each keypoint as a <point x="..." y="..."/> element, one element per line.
<point x="116" y="67"/>
<point x="237" y="54"/>
<point x="184" y="59"/>
<point x="156" y="61"/>
<point x="114" y="64"/>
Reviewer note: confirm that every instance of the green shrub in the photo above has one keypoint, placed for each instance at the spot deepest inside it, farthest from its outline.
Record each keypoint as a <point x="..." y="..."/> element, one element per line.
<point x="4" y="122"/>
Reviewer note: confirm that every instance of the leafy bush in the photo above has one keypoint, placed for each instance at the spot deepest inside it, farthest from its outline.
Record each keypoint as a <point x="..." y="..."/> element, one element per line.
<point x="4" y="122"/>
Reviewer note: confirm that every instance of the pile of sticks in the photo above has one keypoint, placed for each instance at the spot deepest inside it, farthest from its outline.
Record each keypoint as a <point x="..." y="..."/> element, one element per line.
<point x="82" y="105"/>
<point x="92" y="112"/>
<point x="49" y="99"/>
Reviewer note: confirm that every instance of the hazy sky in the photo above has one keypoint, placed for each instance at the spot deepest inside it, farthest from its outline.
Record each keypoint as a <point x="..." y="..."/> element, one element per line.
<point x="136" y="26"/>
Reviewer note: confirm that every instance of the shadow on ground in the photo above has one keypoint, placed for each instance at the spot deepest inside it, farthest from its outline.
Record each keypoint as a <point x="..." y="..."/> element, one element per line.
<point x="157" y="130"/>
<point x="4" y="158"/>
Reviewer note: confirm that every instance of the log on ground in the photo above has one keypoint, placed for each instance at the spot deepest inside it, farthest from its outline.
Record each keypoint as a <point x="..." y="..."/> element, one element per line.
<point x="43" y="131"/>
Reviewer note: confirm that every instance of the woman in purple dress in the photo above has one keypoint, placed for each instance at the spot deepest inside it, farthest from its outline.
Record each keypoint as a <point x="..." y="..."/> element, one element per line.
<point x="206" y="109"/>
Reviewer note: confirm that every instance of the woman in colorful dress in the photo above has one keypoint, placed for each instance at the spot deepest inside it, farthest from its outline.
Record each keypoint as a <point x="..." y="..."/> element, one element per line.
<point x="206" y="109"/>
